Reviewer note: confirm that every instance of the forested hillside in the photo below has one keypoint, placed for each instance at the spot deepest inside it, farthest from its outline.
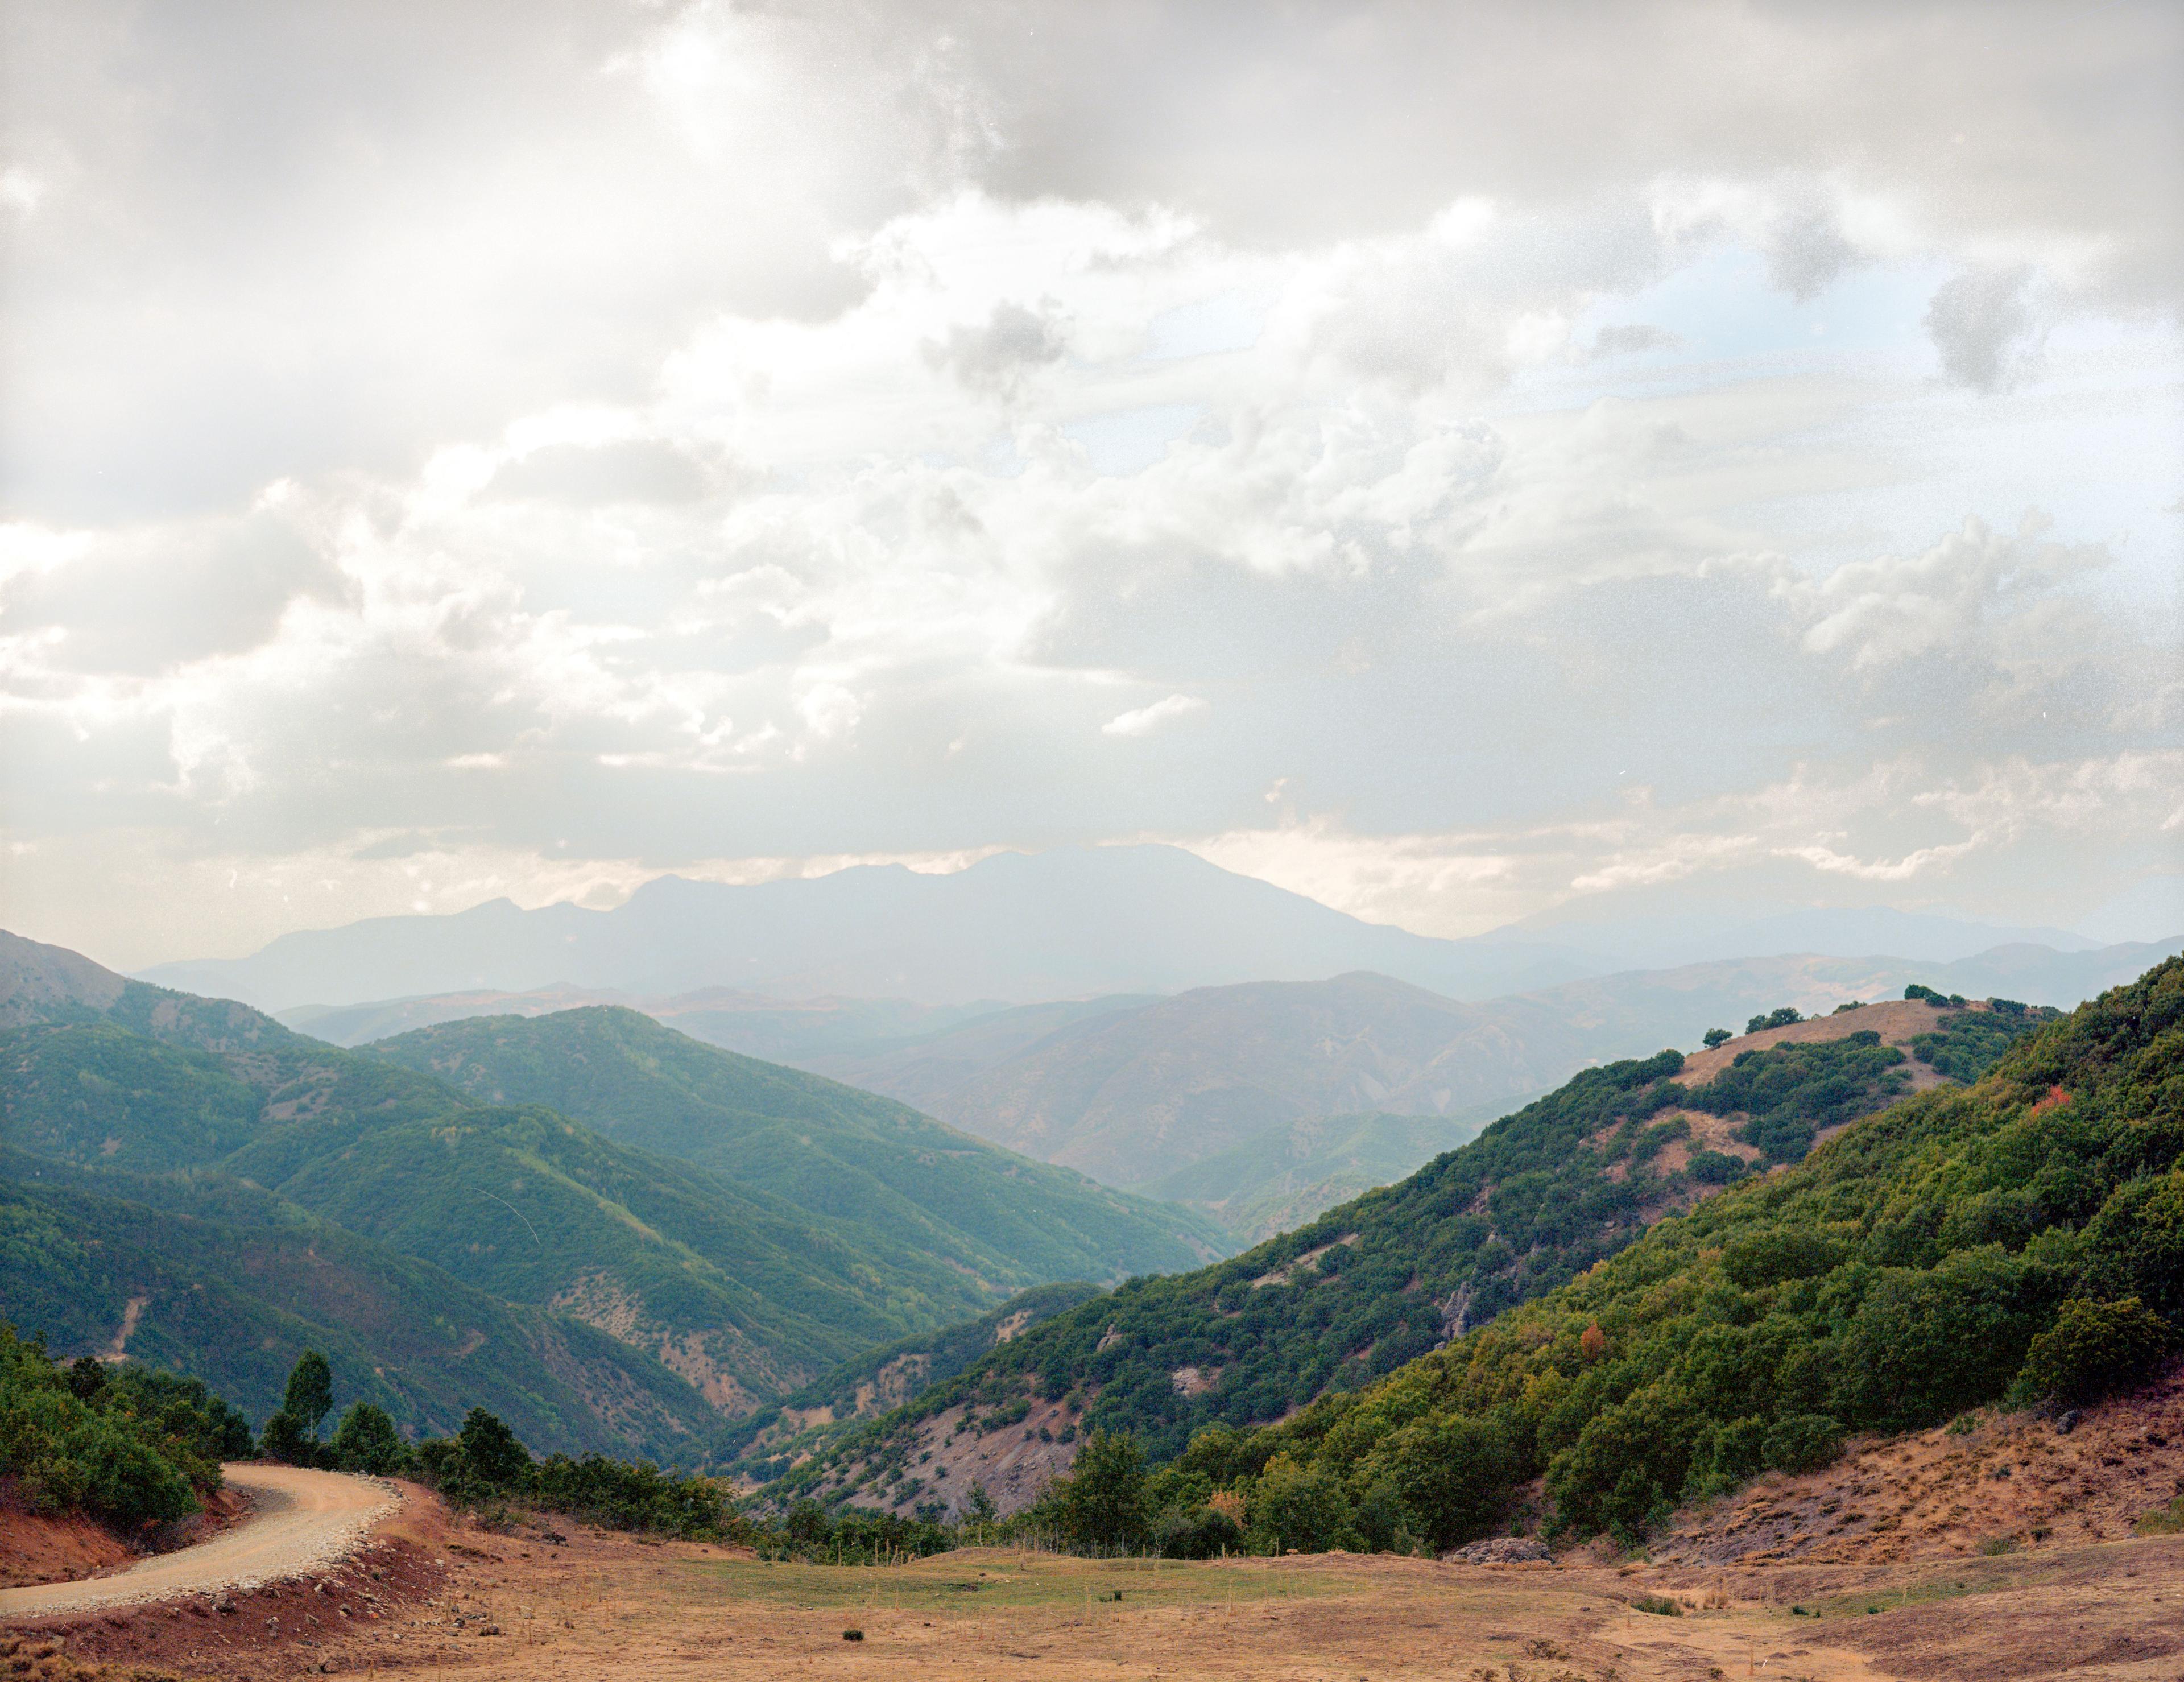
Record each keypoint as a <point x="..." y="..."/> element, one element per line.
<point x="2021" y="1238"/>
<point x="212" y="1112"/>
<point x="1537" y="1200"/>
<point x="204" y="1275"/>
<point x="824" y="1146"/>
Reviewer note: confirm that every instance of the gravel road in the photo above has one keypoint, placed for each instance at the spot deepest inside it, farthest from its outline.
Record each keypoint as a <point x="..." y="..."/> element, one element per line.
<point x="299" y="1521"/>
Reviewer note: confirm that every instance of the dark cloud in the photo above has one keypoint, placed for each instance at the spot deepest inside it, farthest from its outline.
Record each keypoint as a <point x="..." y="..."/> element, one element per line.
<point x="1984" y="325"/>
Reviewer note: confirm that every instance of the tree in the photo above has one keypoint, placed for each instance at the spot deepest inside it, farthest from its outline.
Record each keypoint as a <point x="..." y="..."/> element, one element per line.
<point x="366" y="1441"/>
<point x="285" y="1440"/>
<point x="1299" y="1509"/>
<point x="310" y="1393"/>
<point x="492" y="1453"/>
<point x="979" y="1506"/>
<point x="1718" y="1036"/>
<point x="2096" y="1347"/>
<point x="1102" y="1503"/>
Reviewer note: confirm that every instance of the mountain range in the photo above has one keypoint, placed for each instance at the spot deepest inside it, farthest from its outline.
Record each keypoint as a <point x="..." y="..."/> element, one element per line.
<point x="1225" y="1097"/>
<point x="1013" y="928"/>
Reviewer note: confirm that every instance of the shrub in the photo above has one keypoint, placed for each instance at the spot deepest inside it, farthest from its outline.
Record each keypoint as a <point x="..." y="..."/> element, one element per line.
<point x="2097" y="1347"/>
<point x="1713" y="1167"/>
<point x="123" y="1443"/>
<point x="1196" y="1533"/>
<point x="366" y="1441"/>
<point x="1717" y="1036"/>
<point x="285" y="1440"/>
<point x="1805" y="1442"/>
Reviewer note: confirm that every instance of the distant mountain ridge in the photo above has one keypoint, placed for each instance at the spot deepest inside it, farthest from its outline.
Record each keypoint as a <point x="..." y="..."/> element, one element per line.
<point x="1021" y="928"/>
<point x="1224" y="1090"/>
<point x="1017" y="929"/>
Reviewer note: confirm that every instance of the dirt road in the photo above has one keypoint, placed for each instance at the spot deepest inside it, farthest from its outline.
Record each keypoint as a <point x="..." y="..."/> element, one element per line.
<point x="298" y="1521"/>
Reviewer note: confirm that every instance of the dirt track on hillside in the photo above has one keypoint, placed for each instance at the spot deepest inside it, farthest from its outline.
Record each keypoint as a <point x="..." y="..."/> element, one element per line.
<point x="299" y="1521"/>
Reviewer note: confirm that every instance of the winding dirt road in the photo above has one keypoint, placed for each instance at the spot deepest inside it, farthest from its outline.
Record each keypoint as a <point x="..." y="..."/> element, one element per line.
<point x="298" y="1521"/>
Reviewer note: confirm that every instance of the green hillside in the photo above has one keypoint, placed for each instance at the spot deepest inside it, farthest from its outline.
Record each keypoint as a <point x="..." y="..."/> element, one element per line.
<point x="744" y="1294"/>
<point x="1539" y="1199"/>
<point x="204" y="1105"/>
<point x="824" y="1147"/>
<point x="230" y="1286"/>
<point x="2022" y="1238"/>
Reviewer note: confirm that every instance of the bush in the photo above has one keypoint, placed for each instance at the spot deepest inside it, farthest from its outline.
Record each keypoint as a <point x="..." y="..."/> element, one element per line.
<point x="122" y="1444"/>
<point x="1805" y="1442"/>
<point x="1717" y="1036"/>
<point x="285" y="1440"/>
<point x="1195" y="1533"/>
<point x="366" y="1441"/>
<point x="1713" y="1167"/>
<point x="2097" y="1347"/>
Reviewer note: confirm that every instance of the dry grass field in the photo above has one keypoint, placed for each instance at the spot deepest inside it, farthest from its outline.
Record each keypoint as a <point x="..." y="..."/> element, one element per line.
<point x="603" y="1608"/>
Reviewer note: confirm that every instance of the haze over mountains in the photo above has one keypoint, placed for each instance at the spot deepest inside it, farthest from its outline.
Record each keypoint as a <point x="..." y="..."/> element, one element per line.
<point x="1013" y="928"/>
<point x="1264" y="1102"/>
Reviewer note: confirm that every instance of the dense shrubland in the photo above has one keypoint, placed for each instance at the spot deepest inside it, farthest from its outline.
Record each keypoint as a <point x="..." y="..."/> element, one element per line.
<point x="1537" y="1199"/>
<point x="2018" y="1241"/>
<point x="124" y="1444"/>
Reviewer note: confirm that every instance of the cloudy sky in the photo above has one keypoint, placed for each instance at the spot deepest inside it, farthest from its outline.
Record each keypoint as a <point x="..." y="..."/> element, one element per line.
<point x="1462" y="462"/>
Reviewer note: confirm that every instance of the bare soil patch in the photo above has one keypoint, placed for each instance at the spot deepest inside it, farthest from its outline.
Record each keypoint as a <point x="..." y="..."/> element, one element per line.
<point x="2013" y="1482"/>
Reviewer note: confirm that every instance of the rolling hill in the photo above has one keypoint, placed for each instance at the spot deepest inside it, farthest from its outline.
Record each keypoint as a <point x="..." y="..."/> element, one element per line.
<point x="743" y="1293"/>
<point x="1540" y="1198"/>
<point x="2019" y="1240"/>
<point x="825" y="1147"/>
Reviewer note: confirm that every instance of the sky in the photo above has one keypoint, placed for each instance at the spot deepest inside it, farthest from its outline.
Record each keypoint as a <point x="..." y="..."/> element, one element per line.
<point x="1465" y="463"/>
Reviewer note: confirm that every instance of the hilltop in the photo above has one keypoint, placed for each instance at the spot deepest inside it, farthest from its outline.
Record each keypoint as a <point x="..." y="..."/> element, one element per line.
<point x="1540" y="1198"/>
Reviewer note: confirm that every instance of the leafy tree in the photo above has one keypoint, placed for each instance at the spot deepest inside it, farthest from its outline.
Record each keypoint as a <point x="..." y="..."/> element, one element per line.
<point x="1299" y="1508"/>
<point x="310" y="1393"/>
<point x="285" y="1440"/>
<point x="2096" y="1347"/>
<point x="490" y="1452"/>
<point x="366" y="1441"/>
<point x="1102" y="1503"/>
<point x="1718" y="1036"/>
<point x="979" y="1506"/>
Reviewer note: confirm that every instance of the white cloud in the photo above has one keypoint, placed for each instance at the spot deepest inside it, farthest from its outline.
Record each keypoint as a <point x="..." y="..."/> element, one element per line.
<point x="1143" y="720"/>
<point x="811" y="425"/>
